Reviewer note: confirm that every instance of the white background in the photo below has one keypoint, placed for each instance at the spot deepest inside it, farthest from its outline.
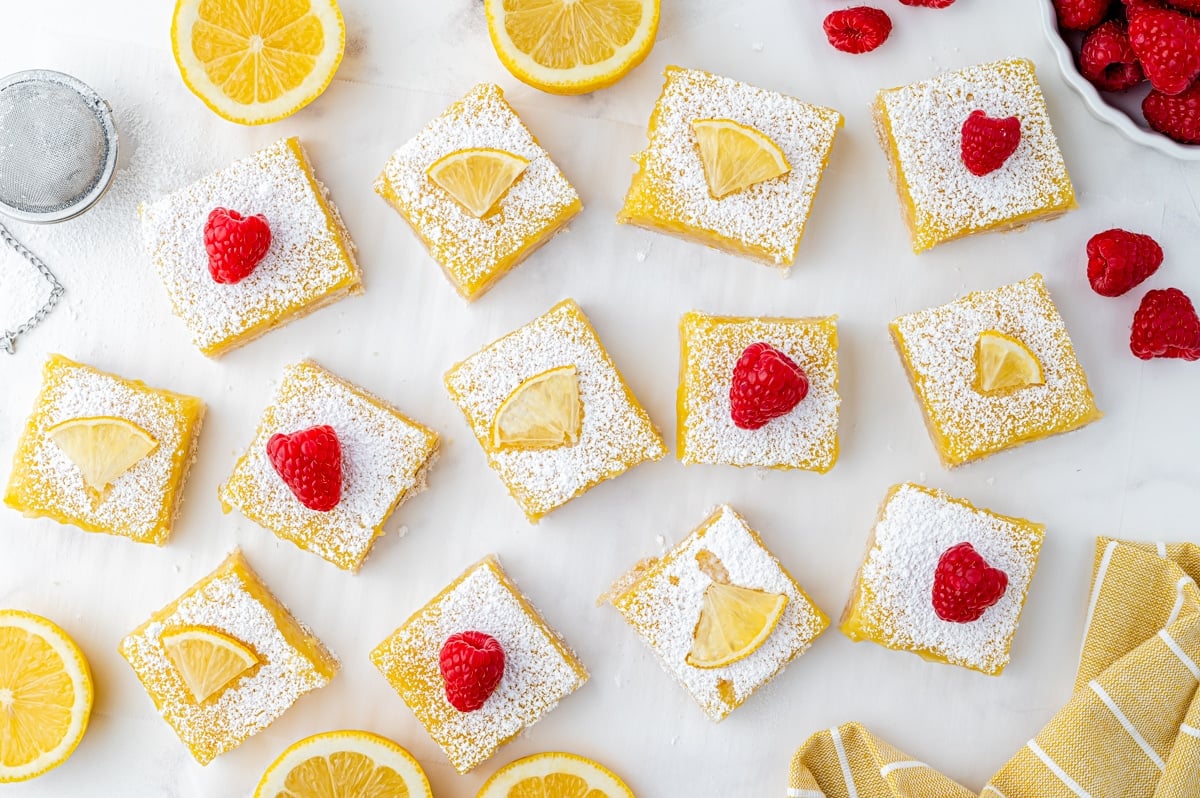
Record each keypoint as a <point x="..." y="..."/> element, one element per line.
<point x="1135" y="473"/>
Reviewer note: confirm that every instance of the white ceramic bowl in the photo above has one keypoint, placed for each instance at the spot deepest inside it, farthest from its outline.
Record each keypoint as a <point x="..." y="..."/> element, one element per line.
<point x="1121" y="110"/>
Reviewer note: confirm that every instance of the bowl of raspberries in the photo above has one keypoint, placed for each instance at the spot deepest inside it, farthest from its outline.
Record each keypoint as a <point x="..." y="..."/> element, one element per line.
<point x="1136" y="63"/>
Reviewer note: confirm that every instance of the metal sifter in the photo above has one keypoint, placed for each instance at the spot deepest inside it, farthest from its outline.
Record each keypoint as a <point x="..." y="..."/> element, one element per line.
<point x="58" y="153"/>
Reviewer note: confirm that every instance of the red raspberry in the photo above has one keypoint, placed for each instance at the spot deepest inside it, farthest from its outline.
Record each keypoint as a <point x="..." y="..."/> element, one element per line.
<point x="1166" y="325"/>
<point x="1176" y="116"/>
<point x="766" y="384"/>
<point x="1080" y="14"/>
<point x="927" y="3"/>
<point x="857" y="30"/>
<point x="1192" y="6"/>
<point x="310" y="463"/>
<point x="1107" y="59"/>
<point x="988" y="142"/>
<point x="235" y="244"/>
<point x="1167" y="43"/>
<point x="472" y="664"/>
<point x="1118" y="260"/>
<point x="964" y="585"/>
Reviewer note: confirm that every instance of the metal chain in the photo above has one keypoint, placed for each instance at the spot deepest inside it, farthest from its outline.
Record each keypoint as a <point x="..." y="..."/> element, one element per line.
<point x="9" y="337"/>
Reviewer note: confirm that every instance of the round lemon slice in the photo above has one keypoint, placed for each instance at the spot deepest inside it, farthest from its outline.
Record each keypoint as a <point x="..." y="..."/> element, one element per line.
<point x="736" y="156"/>
<point x="103" y="447"/>
<point x="206" y="659"/>
<point x="571" y="46"/>
<point x="734" y="622"/>
<point x="554" y="775"/>
<point x="45" y="695"/>
<point x="477" y="178"/>
<point x="257" y="61"/>
<point x="1003" y="363"/>
<point x="344" y="764"/>
<point x="543" y="412"/>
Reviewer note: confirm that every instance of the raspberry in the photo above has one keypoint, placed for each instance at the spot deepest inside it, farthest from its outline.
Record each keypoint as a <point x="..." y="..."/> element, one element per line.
<point x="927" y="3"/>
<point x="1167" y="43"/>
<point x="857" y="30"/>
<point x="1175" y="116"/>
<point x="988" y="142"/>
<point x="1080" y="14"/>
<point x="964" y="585"/>
<point x="472" y="665"/>
<point x="1166" y="325"/>
<point x="1192" y="6"/>
<point x="1118" y="260"/>
<point x="310" y="463"/>
<point x="235" y="244"/>
<point x="1107" y="58"/>
<point x="766" y="384"/>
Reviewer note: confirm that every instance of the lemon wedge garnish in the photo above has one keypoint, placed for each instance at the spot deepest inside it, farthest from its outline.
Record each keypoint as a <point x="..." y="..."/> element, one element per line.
<point x="554" y="775"/>
<point x="543" y="412"/>
<point x="103" y="447"/>
<point x="344" y="764"/>
<point x="1003" y="363"/>
<point x="206" y="659"/>
<point x="734" y="622"/>
<point x="477" y="178"/>
<point x="736" y="156"/>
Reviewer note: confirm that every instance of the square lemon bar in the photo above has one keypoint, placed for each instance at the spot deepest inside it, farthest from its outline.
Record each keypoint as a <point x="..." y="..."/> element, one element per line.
<point x="384" y="459"/>
<point x="478" y="190"/>
<point x="551" y="411"/>
<point x="309" y="262"/>
<point x="993" y="370"/>
<point x="225" y="659"/>
<point x="720" y="611"/>
<point x="924" y="548"/>
<point x="920" y="128"/>
<point x="730" y="166"/>
<point x="537" y="669"/>
<point x="104" y="453"/>
<point x="711" y="348"/>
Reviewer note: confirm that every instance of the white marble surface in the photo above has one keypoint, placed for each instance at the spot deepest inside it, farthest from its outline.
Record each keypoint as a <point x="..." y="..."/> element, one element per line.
<point x="1135" y="473"/>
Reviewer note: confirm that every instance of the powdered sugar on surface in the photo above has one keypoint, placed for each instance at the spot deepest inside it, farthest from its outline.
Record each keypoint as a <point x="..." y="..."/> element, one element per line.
<point x="940" y="344"/>
<point x="663" y="606"/>
<point x="539" y="670"/>
<point x="805" y="438"/>
<point x="23" y="289"/>
<point x="915" y="528"/>
<point x="616" y="433"/>
<point x="768" y="217"/>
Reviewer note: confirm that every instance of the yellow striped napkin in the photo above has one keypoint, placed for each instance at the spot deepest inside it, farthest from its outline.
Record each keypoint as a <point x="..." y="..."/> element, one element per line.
<point x="1131" y="729"/>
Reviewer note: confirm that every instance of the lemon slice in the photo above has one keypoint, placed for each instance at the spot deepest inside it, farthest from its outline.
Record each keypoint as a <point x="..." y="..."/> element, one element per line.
<point x="103" y="447"/>
<point x="543" y="412"/>
<point x="477" y="178"/>
<point x="45" y="695"/>
<point x="736" y="156"/>
<point x="571" y="46"/>
<point x="206" y="659"/>
<point x="257" y="61"/>
<point x="554" y="775"/>
<point x="734" y="622"/>
<point x="1003" y="363"/>
<point x="344" y="764"/>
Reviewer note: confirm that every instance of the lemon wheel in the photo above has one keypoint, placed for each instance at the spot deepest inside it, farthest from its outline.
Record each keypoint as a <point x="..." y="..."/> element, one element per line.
<point x="344" y="764"/>
<point x="554" y="775"/>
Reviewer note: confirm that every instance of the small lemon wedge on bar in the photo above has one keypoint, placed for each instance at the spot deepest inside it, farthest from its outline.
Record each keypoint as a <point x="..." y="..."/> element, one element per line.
<point x="736" y="156"/>
<point x="103" y="447"/>
<point x="1003" y="363"/>
<point x="207" y="660"/>
<point x="734" y="623"/>
<point x="477" y="178"/>
<point x="544" y="412"/>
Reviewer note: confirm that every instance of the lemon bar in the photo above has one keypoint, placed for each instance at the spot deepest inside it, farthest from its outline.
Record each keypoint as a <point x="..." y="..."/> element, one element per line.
<point x="310" y="262"/>
<point x="920" y="128"/>
<point x="892" y="603"/>
<point x="662" y="599"/>
<point x="940" y="346"/>
<point x="142" y="501"/>
<point x="614" y="433"/>
<point x="804" y="438"/>
<point x="671" y="193"/>
<point x="476" y="251"/>
<point x="385" y="459"/>
<point x="539" y="669"/>
<point x="229" y="612"/>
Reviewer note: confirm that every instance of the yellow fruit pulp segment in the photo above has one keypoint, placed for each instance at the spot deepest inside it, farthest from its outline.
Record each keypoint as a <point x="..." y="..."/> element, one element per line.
<point x="736" y="156"/>
<point x="734" y="622"/>
<point x="103" y="447"/>
<point x="344" y="764"/>
<point x="543" y="412"/>
<point x="1004" y="363"/>
<point x="343" y="773"/>
<point x="554" y="775"/>
<point x="554" y="785"/>
<point x="207" y="660"/>
<point x="477" y="178"/>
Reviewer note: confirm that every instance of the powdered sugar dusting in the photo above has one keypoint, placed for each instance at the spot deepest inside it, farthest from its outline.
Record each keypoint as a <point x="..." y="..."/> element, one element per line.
<point x="915" y="528"/>
<point x="663" y="606"/>
<point x="805" y="438"/>
<point x="616" y="432"/>
<point x="939" y="346"/>
<point x="765" y="220"/>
